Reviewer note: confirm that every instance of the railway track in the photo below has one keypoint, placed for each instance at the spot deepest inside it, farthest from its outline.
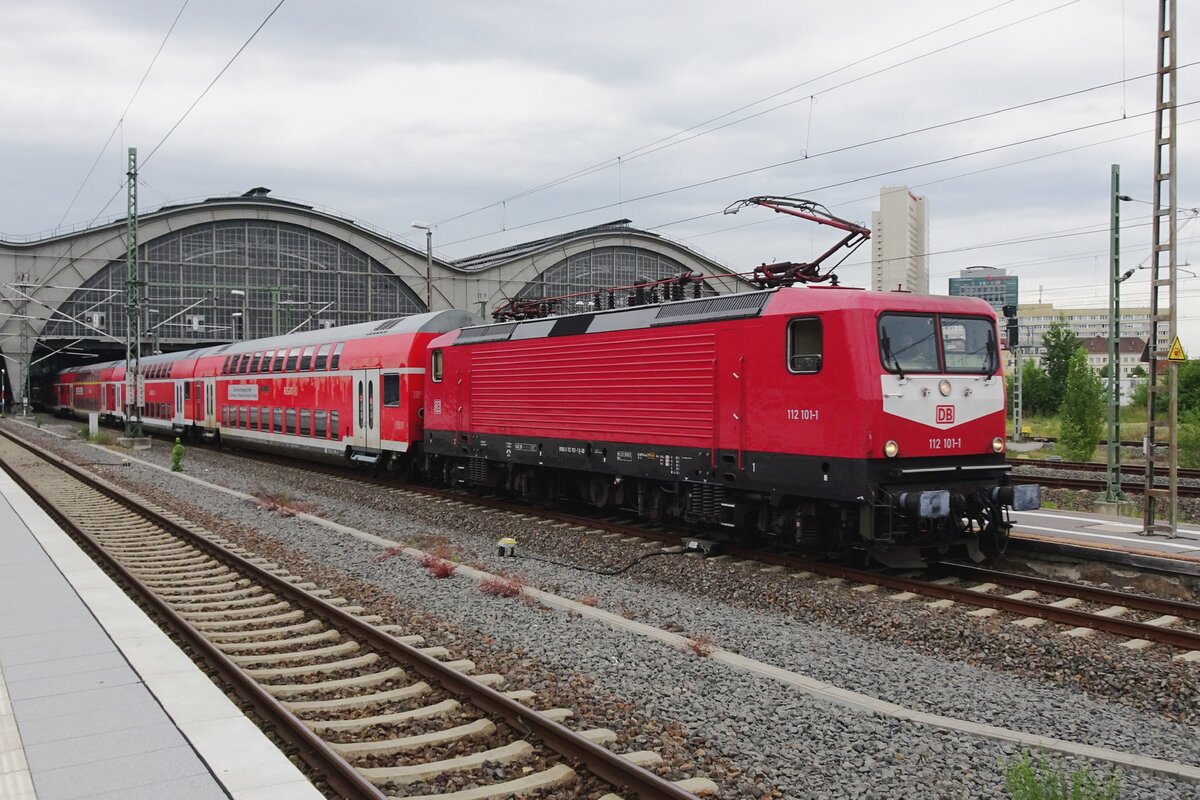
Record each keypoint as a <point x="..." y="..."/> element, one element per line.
<point x="1139" y="619"/>
<point x="1093" y="466"/>
<point x="1132" y="479"/>
<point x="372" y="712"/>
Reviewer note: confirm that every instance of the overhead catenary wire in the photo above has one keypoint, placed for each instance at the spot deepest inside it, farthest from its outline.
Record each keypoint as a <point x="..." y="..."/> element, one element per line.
<point x="788" y="162"/>
<point x="191" y="107"/>
<point x="666" y="141"/>
<point x="121" y="118"/>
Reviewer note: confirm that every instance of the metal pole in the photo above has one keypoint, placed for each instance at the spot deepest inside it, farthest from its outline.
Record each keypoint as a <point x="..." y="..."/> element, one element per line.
<point x="133" y="315"/>
<point x="1018" y="380"/>
<point x="1164" y="248"/>
<point x="429" y="269"/>
<point x="1113" y="493"/>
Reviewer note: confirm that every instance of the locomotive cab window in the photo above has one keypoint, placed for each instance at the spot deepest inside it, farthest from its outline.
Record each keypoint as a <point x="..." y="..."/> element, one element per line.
<point x="908" y="343"/>
<point x="437" y="366"/>
<point x="935" y="343"/>
<point x="805" y="345"/>
<point x="969" y="344"/>
<point x="391" y="391"/>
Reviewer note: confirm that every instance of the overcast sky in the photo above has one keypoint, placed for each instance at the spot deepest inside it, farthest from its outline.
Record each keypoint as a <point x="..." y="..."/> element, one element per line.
<point x="389" y="112"/>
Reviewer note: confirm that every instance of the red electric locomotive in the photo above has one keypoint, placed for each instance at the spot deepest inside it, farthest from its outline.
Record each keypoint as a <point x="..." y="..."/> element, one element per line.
<point x="826" y="418"/>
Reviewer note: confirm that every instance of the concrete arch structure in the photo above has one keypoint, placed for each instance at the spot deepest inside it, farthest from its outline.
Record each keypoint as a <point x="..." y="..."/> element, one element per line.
<point x="50" y="286"/>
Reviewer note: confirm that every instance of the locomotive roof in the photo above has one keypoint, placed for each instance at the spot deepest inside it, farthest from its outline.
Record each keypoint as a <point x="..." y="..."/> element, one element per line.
<point x="720" y="307"/>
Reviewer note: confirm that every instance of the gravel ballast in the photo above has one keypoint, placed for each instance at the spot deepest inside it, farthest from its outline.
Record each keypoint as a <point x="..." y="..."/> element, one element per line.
<point x="777" y="742"/>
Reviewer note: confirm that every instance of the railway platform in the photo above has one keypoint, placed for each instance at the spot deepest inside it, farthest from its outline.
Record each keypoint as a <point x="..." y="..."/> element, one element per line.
<point x="96" y="701"/>
<point x="1107" y="537"/>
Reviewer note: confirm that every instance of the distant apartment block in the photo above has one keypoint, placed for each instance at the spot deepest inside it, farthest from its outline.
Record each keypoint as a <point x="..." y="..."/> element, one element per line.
<point x="1035" y="320"/>
<point x="1129" y="358"/>
<point x="900" y="236"/>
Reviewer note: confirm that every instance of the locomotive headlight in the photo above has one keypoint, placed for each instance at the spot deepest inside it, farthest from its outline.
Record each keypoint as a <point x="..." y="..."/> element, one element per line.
<point x="998" y="444"/>
<point x="890" y="448"/>
<point x="944" y="387"/>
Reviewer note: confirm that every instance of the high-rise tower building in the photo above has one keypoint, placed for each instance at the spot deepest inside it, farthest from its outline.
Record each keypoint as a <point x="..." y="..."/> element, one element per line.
<point x="900" y="231"/>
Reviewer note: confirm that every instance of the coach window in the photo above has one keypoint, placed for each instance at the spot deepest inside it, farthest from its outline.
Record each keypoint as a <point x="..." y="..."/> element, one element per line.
<point x="360" y="404"/>
<point x="322" y="357"/>
<point x="437" y="366"/>
<point x="305" y="422"/>
<point x="292" y="358"/>
<point x="255" y="362"/>
<point x="278" y="365"/>
<point x="306" y="359"/>
<point x="254" y="418"/>
<point x="320" y="423"/>
<point x="267" y="358"/>
<point x="391" y="391"/>
<point x="805" y="345"/>
<point x="225" y="366"/>
<point x="277" y="420"/>
<point x="244" y="364"/>
<point x="187" y="390"/>
<point x="335" y="430"/>
<point x="244" y="417"/>
<point x="336" y="358"/>
<point x="289" y="425"/>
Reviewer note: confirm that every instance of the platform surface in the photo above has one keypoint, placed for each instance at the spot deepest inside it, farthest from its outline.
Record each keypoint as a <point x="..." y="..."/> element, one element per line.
<point x="1101" y="532"/>
<point x="95" y="701"/>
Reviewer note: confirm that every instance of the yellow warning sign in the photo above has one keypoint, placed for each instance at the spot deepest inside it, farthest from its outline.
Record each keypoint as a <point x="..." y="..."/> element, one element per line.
<point x="1176" y="352"/>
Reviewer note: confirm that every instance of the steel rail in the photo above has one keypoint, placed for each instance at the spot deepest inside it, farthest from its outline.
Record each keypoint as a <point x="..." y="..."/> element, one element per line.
<point x="1157" y="605"/>
<point x="1094" y="466"/>
<point x="343" y="777"/>
<point x="598" y="759"/>
<point x="1186" y="640"/>
<point x="1093" y="485"/>
<point x="1183" y="639"/>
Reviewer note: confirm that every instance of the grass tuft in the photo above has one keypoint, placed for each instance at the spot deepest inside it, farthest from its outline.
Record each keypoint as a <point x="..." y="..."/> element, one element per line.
<point x="1038" y="778"/>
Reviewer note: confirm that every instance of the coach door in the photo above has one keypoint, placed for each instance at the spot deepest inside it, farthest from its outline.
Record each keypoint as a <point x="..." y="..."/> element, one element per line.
<point x="210" y="403"/>
<point x="367" y="403"/>
<point x="177" y="417"/>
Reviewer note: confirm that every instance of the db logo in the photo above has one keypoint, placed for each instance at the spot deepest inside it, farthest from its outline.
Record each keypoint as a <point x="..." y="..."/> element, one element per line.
<point x="945" y="415"/>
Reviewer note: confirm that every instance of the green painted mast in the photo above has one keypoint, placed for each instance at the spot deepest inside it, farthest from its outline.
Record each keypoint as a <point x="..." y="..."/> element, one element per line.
<point x="133" y="309"/>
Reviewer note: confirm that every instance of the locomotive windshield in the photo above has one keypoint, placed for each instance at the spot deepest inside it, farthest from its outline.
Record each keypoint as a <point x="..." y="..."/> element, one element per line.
<point x="935" y="343"/>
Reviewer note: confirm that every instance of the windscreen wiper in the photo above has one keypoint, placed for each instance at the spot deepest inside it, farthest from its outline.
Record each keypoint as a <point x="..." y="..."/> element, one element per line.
<point x="887" y="353"/>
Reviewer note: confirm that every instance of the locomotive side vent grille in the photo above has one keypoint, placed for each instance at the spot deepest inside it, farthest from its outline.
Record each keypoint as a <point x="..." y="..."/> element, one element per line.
<point x="726" y="306"/>
<point x="486" y="333"/>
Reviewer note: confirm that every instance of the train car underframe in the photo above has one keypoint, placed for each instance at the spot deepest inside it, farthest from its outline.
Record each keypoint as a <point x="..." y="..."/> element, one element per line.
<point x="902" y="527"/>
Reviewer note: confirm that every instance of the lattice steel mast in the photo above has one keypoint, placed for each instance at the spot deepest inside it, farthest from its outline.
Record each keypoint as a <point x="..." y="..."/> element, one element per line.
<point x="1163" y="230"/>
<point x="133" y="309"/>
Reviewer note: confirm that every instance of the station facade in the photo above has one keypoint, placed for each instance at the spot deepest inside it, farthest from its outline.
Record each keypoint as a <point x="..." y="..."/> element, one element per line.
<point x="249" y="266"/>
